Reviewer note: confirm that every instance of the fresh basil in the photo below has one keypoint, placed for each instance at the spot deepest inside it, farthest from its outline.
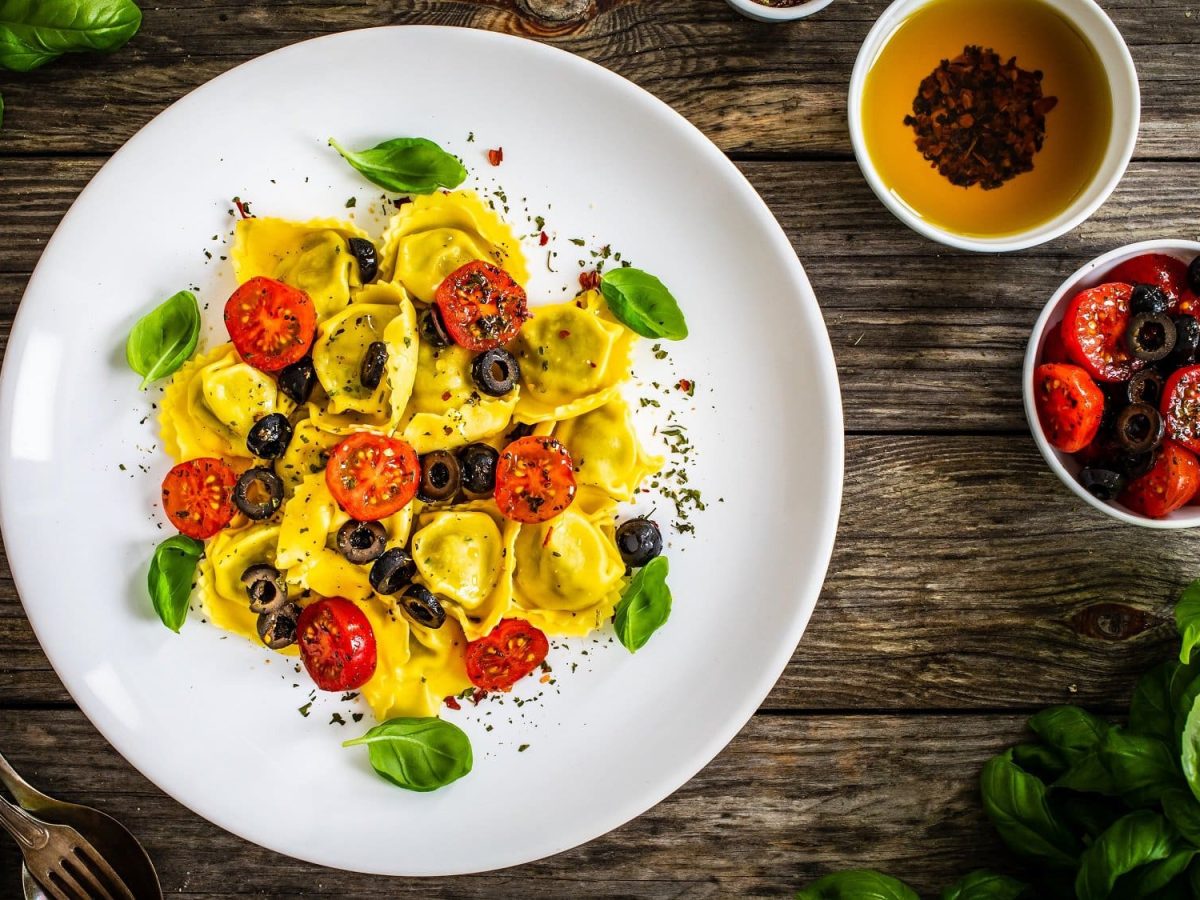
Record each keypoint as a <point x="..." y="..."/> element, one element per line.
<point x="1151" y="710"/>
<point x="1088" y="815"/>
<point x="643" y="303"/>
<point x="1044" y="762"/>
<point x="34" y="32"/>
<point x="981" y="885"/>
<point x="1015" y="801"/>
<point x="1136" y="767"/>
<point x="1187" y="620"/>
<point x="1070" y="730"/>
<point x="406" y="165"/>
<point x="163" y="339"/>
<point x="645" y="605"/>
<point x="417" y="754"/>
<point x="172" y="570"/>
<point x="1133" y="841"/>
<point x="1189" y="757"/>
<point x="1182" y="811"/>
<point x="857" y="884"/>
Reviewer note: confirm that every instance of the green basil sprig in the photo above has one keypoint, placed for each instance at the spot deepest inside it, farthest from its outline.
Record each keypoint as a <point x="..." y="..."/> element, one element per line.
<point x="1016" y="803"/>
<point x="162" y="340"/>
<point x="1151" y="711"/>
<point x="170" y="580"/>
<point x="406" y="165"/>
<point x="34" y="32"/>
<point x="1136" y="767"/>
<point x="645" y="605"/>
<point x="1187" y="620"/>
<point x="417" y="754"/>
<point x="981" y="885"/>
<point x="857" y="884"/>
<point x="1133" y="841"/>
<point x="643" y="303"/>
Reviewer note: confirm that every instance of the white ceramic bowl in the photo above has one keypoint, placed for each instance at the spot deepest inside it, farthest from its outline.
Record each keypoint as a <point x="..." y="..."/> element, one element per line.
<point x="1062" y="464"/>
<point x="1092" y="22"/>
<point x="753" y="10"/>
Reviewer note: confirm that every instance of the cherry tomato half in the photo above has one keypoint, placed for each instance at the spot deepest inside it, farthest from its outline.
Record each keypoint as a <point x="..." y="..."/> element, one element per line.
<point x="1180" y="407"/>
<point x="1169" y="485"/>
<point x="500" y="659"/>
<point x="535" y="479"/>
<point x="482" y="306"/>
<point x="1069" y="405"/>
<point x="372" y="476"/>
<point x="337" y="644"/>
<point x="1094" y="331"/>
<point x="1054" y="349"/>
<point x="197" y="496"/>
<point x="270" y="323"/>
<point x="1156" y="269"/>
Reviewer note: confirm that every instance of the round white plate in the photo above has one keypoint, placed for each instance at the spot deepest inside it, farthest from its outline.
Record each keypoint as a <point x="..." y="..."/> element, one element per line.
<point x="212" y="719"/>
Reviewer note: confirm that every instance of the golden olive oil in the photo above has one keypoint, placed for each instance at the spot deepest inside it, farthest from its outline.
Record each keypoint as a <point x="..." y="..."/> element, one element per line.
<point x="1077" y="129"/>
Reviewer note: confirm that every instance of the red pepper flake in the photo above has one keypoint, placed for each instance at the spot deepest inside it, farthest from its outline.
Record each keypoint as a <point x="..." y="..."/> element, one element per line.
<point x="589" y="280"/>
<point x="684" y="385"/>
<point x="453" y="703"/>
<point x="495" y="157"/>
<point x="543" y="239"/>
<point x="243" y="208"/>
<point x="479" y="694"/>
<point x="446" y="395"/>
<point x="564" y="334"/>
<point x="549" y="532"/>
<point x="980" y="121"/>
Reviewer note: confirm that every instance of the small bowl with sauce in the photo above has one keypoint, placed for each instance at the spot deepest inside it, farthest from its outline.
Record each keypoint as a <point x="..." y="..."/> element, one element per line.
<point x="993" y="125"/>
<point x="778" y="10"/>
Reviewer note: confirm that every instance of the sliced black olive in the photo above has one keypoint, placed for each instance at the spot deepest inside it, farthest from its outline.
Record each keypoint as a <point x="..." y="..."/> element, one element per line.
<point x="1149" y="298"/>
<point x="1139" y="428"/>
<point x="1103" y="484"/>
<point x="277" y="629"/>
<point x="639" y="541"/>
<point x="362" y="542"/>
<point x="1150" y="336"/>
<point x="1193" y="275"/>
<point x="374" y="364"/>
<point x="440" y="477"/>
<point x="1144" y="387"/>
<point x="258" y="493"/>
<point x="518" y="431"/>
<point x="495" y="371"/>
<point x="1187" y="341"/>
<point x="392" y="571"/>
<point x="368" y="258"/>
<point x="1138" y="464"/>
<point x="266" y="588"/>
<point x="422" y="607"/>
<point x="298" y="380"/>
<point x="477" y="463"/>
<point x="270" y="436"/>
<point x="433" y="328"/>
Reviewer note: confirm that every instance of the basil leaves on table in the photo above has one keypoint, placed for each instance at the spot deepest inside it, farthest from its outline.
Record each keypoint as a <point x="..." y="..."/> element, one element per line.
<point x="1133" y="841"/>
<point x="1018" y="807"/>
<point x="406" y="165"/>
<point x="1187" y="620"/>
<point x="35" y="32"/>
<point x="645" y="605"/>
<point x="170" y="580"/>
<point x="162" y="340"/>
<point x="981" y="885"/>
<point x="1151" y="711"/>
<point x="417" y="754"/>
<point x="643" y="303"/>
<point x="857" y="884"/>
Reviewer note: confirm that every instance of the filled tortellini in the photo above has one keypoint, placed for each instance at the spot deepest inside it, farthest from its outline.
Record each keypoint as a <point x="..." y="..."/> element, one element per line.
<point x="446" y="410"/>
<point x="606" y="450"/>
<point x="219" y="583"/>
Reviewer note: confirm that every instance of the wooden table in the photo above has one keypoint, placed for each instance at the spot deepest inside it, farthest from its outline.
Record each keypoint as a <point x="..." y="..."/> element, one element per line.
<point x="967" y="588"/>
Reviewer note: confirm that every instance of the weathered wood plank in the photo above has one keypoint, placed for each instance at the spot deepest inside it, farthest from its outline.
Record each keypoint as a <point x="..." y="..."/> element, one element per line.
<point x="787" y="801"/>
<point x="750" y="87"/>
<point x="965" y="577"/>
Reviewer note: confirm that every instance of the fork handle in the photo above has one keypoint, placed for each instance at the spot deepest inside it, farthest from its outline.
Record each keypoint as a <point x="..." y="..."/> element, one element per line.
<point x="25" y="794"/>
<point x="26" y="830"/>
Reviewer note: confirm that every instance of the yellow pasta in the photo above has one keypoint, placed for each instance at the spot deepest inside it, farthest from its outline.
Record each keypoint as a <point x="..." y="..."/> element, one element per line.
<point x="446" y="411"/>
<point x="606" y="450"/>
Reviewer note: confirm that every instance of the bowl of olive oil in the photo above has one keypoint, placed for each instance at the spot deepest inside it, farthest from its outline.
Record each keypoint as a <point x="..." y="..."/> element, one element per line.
<point x="993" y="125"/>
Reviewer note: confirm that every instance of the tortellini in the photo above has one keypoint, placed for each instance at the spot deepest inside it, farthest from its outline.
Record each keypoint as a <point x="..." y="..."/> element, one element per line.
<point x="435" y="234"/>
<point x="222" y="594"/>
<point x="606" y="450"/>
<point x="446" y="411"/>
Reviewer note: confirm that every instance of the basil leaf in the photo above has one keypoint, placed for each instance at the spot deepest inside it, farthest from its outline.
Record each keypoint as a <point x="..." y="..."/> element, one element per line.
<point x="1135" y="767"/>
<point x="406" y="165"/>
<point x="1182" y="811"/>
<point x="34" y="32"/>
<point x="1187" y="620"/>
<point x="1151" y="710"/>
<point x="1070" y="730"/>
<point x="857" y="884"/>
<point x="163" y="339"/>
<point x="1148" y="880"/>
<point x="417" y="754"/>
<point x="1042" y="761"/>
<point x="981" y="885"/>
<point x="1132" y="841"/>
<point x="643" y="303"/>
<point x="1015" y="801"/>
<point x="1190" y="748"/>
<point x="170" y="580"/>
<point x="644" y="606"/>
<point x="1086" y="814"/>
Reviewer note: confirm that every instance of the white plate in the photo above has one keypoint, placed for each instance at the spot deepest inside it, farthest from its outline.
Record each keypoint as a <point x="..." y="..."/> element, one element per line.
<point x="212" y="719"/>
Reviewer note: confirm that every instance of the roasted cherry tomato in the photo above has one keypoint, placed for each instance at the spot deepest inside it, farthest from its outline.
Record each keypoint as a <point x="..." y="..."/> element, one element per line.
<point x="1054" y="349"/>
<point x="1158" y="269"/>
<point x="1180" y="406"/>
<point x="1094" y="332"/>
<point x="372" y="476"/>
<point x="481" y="306"/>
<point x="1069" y="405"/>
<point x="337" y="644"/>
<point x="1169" y="485"/>
<point x="270" y="323"/>
<point x="535" y="479"/>
<point x="512" y="650"/>
<point x="198" y="496"/>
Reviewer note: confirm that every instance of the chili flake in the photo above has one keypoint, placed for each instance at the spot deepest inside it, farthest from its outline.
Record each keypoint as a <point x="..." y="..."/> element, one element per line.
<point x="589" y="280"/>
<point x="495" y="157"/>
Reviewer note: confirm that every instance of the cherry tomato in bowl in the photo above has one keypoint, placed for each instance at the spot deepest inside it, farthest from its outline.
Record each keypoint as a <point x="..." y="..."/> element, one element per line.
<point x="535" y="479"/>
<point x="1093" y="331"/>
<point x="271" y="324"/>
<point x="1069" y="405"/>
<point x="1180" y="407"/>
<point x="197" y="496"/>
<point x="509" y="652"/>
<point x="481" y="306"/>
<point x="372" y="476"/>
<point x="1156" y="269"/>
<point x="337" y="644"/>
<point x="1171" y="484"/>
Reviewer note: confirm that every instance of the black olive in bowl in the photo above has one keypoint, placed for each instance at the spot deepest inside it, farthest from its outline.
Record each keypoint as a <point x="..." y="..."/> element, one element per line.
<point x="1103" y="484"/>
<point x="1139" y="428"/>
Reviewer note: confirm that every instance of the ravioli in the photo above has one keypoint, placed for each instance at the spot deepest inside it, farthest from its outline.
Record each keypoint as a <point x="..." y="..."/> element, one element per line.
<point x="308" y="451"/>
<point x="606" y="450"/>
<point x="446" y="411"/>
<point x="222" y="594"/>
<point x="437" y="233"/>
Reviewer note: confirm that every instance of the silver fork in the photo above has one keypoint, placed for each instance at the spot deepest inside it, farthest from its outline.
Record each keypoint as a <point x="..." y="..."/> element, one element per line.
<point x="62" y="861"/>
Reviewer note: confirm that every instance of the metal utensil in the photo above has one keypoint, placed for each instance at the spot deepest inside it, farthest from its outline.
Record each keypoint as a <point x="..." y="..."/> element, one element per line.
<point x="109" y="837"/>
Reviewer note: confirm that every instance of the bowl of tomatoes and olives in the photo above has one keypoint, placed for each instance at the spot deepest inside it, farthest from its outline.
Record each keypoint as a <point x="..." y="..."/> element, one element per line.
<point x="1112" y="383"/>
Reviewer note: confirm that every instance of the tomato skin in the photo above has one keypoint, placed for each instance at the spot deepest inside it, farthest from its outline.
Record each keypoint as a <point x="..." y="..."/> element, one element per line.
<point x="1172" y="483"/>
<point x="1180" y="407"/>
<point x="372" y="476"/>
<point x="1054" y="348"/>
<point x="271" y="324"/>
<point x="501" y="658"/>
<point x="197" y="496"/>
<point x="1069" y="405"/>
<point x="1156" y="269"/>
<point x="535" y="479"/>
<point x="1094" y="332"/>
<point x="482" y="306"/>
<point x="337" y="644"/>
